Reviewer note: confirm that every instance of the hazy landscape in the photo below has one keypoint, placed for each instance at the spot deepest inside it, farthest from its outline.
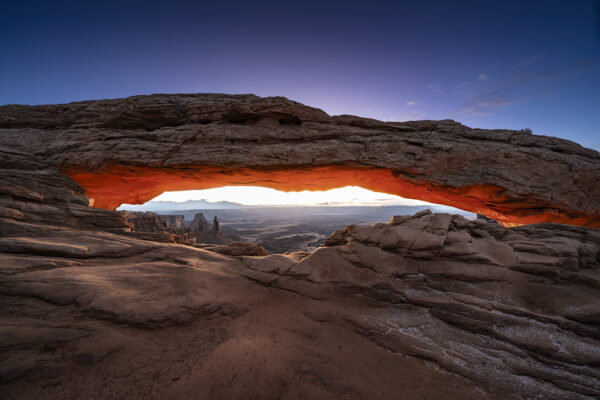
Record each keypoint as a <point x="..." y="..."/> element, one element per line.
<point x="287" y="229"/>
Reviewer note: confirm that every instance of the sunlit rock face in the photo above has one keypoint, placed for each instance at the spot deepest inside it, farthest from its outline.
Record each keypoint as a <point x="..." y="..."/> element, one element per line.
<point x="131" y="150"/>
<point x="475" y="298"/>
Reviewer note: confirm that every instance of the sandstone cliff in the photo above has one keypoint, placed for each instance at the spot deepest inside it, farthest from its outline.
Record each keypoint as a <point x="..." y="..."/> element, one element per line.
<point x="162" y="228"/>
<point x="35" y="197"/>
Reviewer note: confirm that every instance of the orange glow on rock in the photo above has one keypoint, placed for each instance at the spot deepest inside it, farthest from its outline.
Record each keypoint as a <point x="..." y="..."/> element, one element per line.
<point x="110" y="187"/>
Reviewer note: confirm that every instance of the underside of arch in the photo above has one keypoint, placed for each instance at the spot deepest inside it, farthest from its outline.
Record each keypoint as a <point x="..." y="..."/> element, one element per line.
<point x="116" y="185"/>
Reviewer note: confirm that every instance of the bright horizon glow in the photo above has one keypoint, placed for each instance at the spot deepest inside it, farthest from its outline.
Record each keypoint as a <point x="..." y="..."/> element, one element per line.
<point x="261" y="196"/>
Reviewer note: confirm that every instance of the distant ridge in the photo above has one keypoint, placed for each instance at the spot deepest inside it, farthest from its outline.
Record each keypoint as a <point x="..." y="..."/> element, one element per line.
<point x="171" y="207"/>
<point x="186" y="205"/>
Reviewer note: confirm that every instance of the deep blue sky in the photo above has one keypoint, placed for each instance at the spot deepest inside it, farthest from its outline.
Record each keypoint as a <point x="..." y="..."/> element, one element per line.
<point x="489" y="64"/>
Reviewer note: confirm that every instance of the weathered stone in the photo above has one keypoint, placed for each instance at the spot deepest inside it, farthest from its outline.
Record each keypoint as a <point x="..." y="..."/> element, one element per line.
<point x="131" y="150"/>
<point x="429" y="305"/>
<point x="484" y="303"/>
<point x="35" y="197"/>
<point x="336" y="238"/>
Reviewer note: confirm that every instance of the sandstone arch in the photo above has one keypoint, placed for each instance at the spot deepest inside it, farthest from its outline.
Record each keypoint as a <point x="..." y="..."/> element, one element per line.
<point x="130" y="150"/>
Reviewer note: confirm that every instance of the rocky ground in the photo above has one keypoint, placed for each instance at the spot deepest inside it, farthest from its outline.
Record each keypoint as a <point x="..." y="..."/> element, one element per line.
<point x="429" y="306"/>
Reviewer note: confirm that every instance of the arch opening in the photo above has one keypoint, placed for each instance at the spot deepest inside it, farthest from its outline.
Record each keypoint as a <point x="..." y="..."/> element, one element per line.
<point x="275" y="221"/>
<point x="257" y="196"/>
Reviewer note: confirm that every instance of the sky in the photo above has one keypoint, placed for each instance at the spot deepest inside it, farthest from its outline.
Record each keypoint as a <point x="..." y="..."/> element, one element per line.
<point x="487" y="64"/>
<point x="254" y="195"/>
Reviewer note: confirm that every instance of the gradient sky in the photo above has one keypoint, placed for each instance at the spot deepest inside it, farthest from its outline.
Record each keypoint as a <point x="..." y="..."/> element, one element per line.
<point x="489" y="64"/>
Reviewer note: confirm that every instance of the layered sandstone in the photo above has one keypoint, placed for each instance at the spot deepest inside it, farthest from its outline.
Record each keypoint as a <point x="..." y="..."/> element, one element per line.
<point x="512" y="309"/>
<point x="130" y="150"/>
<point x="36" y="197"/>
<point x="425" y="306"/>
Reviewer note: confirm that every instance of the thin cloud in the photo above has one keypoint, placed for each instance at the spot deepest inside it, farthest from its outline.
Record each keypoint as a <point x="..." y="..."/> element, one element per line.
<point x="462" y="85"/>
<point x="551" y="75"/>
<point x="435" y="88"/>
<point x="483" y="100"/>
<point x="528" y="61"/>
<point x="485" y="105"/>
<point x="482" y="77"/>
<point x="411" y="103"/>
<point x="409" y="116"/>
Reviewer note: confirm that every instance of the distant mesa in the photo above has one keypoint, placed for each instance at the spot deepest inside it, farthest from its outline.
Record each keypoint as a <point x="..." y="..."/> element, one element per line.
<point x="185" y="205"/>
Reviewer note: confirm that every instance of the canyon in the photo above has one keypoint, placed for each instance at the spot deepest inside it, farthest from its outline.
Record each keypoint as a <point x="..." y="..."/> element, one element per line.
<point x="430" y="305"/>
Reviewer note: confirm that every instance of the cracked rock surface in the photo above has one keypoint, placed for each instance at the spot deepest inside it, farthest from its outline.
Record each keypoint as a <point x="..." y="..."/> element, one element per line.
<point x="512" y="308"/>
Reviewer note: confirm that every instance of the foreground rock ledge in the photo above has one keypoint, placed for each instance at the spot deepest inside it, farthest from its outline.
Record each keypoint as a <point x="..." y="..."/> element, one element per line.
<point x="131" y="150"/>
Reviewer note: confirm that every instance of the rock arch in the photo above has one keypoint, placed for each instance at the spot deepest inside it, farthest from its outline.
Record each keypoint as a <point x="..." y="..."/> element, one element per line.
<point x="130" y="150"/>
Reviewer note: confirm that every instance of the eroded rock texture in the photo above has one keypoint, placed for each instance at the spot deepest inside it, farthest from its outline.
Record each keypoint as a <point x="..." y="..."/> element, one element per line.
<point x="130" y="150"/>
<point x="35" y="197"/>
<point x="514" y="308"/>
<point x="427" y="306"/>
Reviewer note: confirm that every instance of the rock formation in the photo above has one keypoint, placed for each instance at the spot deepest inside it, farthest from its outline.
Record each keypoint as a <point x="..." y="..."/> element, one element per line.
<point x="175" y="222"/>
<point x="205" y="232"/>
<point x="200" y="225"/>
<point x="426" y="306"/>
<point x="162" y="228"/>
<point x="146" y="221"/>
<point x="131" y="150"/>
